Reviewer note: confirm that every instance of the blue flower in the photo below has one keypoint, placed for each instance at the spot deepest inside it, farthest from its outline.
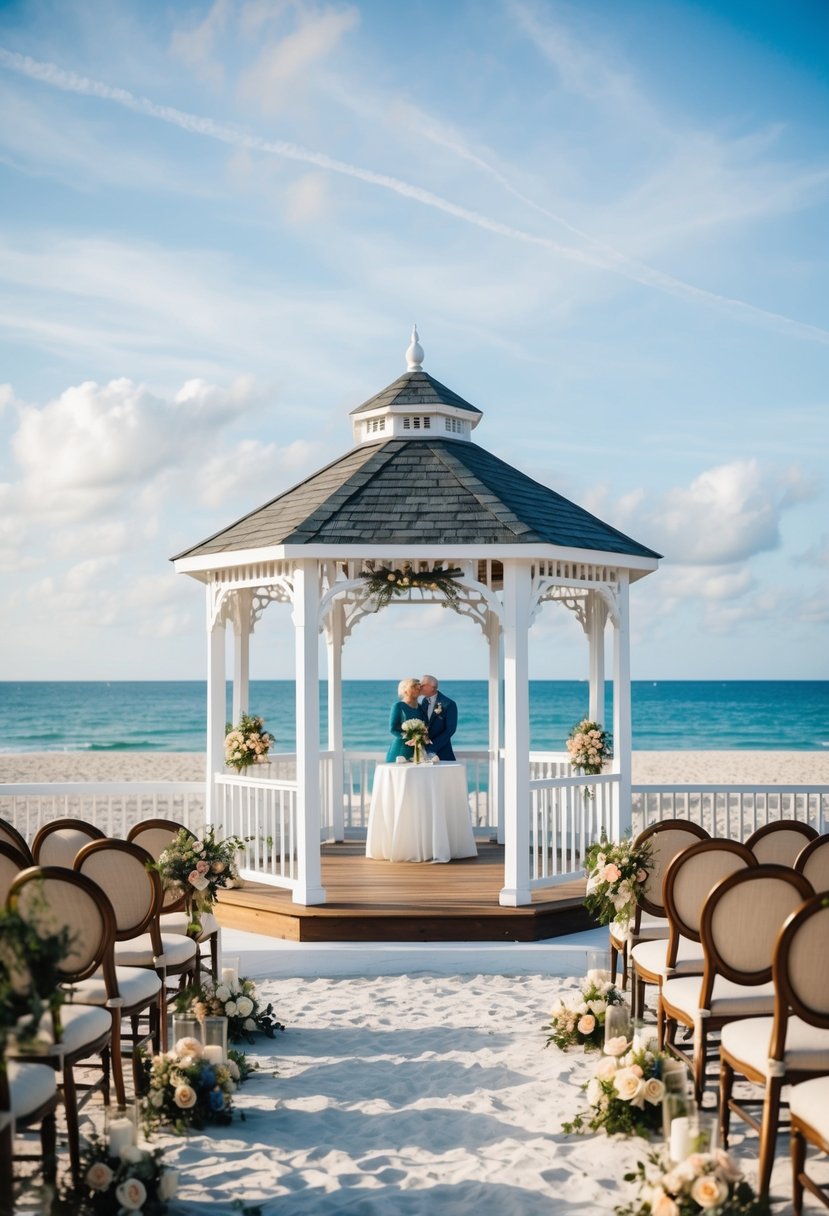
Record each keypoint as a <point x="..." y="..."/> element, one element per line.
<point x="207" y="1079"/>
<point x="217" y="1100"/>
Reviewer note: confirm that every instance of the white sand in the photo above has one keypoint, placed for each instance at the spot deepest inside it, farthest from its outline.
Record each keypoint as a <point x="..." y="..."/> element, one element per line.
<point x="416" y="1094"/>
<point x="669" y="768"/>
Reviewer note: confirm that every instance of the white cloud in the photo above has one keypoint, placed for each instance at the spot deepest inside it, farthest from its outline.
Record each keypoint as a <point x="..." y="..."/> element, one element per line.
<point x="252" y="470"/>
<point x="285" y="65"/>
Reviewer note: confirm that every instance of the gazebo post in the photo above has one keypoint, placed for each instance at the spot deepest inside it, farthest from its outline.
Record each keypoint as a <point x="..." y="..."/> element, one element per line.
<point x="622" y="728"/>
<point x="334" y="633"/>
<point x="516" y="889"/>
<point x="216" y="711"/>
<point x="306" y="597"/>
<point x="496" y="785"/>
<point x="596" y="618"/>
<point x="241" y="653"/>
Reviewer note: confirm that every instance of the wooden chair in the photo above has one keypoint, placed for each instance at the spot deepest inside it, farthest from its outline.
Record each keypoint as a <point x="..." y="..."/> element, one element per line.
<point x="809" y="1111"/>
<point x="791" y="1046"/>
<point x="155" y="835"/>
<point x="28" y="1096"/>
<point x="779" y="843"/>
<point x="688" y="879"/>
<point x="813" y="862"/>
<point x="57" y="843"/>
<point x="48" y="898"/>
<point x="134" y="890"/>
<point x="12" y="861"/>
<point x="650" y="923"/>
<point x="10" y="835"/>
<point x="741" y="921"/>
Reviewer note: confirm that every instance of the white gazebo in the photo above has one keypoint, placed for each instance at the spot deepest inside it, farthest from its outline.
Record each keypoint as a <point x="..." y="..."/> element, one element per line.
<point x="416" y="492"/>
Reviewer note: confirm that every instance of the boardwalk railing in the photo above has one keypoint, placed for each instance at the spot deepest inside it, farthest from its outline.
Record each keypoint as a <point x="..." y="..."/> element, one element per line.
<point x="114" y="807"/>
<point x="731" y="811"/>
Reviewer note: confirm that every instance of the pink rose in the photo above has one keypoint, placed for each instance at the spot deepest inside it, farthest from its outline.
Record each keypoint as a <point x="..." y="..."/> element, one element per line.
<point x="616" y="1046"/>
<point x="587" y="1024"/>
<point x="184" y="1097"/>
<point x="611" y="873"/>
<point x="131" y="1194"/>
<point x="98" y="1176"/>
<point x="709" y="1191"/>
<point x="663" y="1205"/>
<point x="202" y="867"/>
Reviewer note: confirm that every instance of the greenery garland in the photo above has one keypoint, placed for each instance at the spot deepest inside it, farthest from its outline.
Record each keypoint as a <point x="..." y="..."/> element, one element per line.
<point x="386" y="582"/>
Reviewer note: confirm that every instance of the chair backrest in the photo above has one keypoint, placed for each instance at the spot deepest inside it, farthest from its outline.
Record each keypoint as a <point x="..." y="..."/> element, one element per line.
<point x="120" y="869"/>
<point x="10" y="835"/>
<point x="12" y="861"/>
<point x="667" y="838"/>
<point x="799" y="971"/>
<point x="154" y="835"/>
<point x="690" y="878"/>
<point x="779" y="843"/>
<point x="742" y="919"/>
<point x="58" y="843"/>
<point x="813" y="862"/>
<point x="50" y="898"/>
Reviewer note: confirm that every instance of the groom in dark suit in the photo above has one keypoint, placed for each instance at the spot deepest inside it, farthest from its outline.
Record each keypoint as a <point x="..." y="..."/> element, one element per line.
<point x="442" y="716"/>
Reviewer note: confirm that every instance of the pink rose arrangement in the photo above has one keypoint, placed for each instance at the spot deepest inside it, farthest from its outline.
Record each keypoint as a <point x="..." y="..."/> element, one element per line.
<point x="134" y="1180"/>
<point x="577" y="1019"/>
<point x="616" y="874"/>
<point x="704" y="1182"/>
<point x="625" y="1093"/>
<point x="247" y="743"/>
<point x="589" y="745"/>
<point x="199" y="867"/>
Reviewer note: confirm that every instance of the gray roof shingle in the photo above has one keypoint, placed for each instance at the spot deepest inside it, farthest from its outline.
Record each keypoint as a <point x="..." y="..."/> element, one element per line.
<point x="420" y="491"/>
<point x="414" y="390"/>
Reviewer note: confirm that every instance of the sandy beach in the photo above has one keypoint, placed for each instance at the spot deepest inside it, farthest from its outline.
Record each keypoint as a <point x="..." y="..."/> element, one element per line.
<point x="416" y="1094"/>
<point x="649" y="768"/>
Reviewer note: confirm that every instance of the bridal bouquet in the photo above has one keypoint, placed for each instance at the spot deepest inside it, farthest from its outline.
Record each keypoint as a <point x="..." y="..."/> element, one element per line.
<point x="247" y="743"/>
<point x="616" y="874"/>
<point x="134" y="1180"/>
<point x="184" y="1090"/>
<point x="705" y="1182"/>
<point x="589" y="745"/>
<point x="578" y="1019"/>
<point x="625" y="1092"/>
<point x="415" y="735"/>
<point x="237" y="1001"/>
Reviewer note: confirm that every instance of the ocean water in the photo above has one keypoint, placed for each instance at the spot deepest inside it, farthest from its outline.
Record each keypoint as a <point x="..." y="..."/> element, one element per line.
<point x="170" y="715"/>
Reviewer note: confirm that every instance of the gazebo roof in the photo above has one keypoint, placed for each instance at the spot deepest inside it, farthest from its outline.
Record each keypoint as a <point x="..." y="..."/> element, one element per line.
<point x="434" y="491"/>
<point x="415" y="389"/>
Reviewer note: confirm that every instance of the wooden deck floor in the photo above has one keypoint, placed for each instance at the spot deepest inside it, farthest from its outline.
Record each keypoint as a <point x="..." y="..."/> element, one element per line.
<point x="372" y="900"/>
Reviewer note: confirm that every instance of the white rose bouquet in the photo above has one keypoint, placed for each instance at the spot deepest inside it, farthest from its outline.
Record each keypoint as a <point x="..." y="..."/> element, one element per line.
<point x="625" y="1093"/>
<point x="616" y="875"/>
<point x="247" y="743"/>
<point x="577" y="1019"/>
<point x="704" y="1182"/>
<point x="134" y="1180"/>
<point x="237" y="1001"/>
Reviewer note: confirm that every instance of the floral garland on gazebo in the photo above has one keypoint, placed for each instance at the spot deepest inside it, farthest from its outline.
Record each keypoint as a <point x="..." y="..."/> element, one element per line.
<point x="385" y="582"/>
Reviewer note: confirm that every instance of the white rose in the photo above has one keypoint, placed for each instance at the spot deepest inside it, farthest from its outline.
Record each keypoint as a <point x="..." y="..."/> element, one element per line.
<point x="654" y="1090"/>
<point x="230" y="1008"/>
<point x="233" y="1070"/>
<point x="709" y="1191"/>
<point x="597" y="1007"/>
<point x="244" y="1006"/>
<point x="223" y="993"/>
<point x="131" y="1194"/>
<point x="626" y="1084"/>
<point x="167" y="1185"/>
<point x="606" y="1068"/>
<point x="99" y="1176"/>
<point x="250" y="1024"/>
<point x="594" y="1091"/>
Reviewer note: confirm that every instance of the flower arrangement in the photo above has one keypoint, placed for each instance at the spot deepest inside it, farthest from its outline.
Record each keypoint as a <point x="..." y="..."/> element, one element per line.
<point x="385" y="582"/>
<point x="184" y="1090"/>
<point x="589" y="745"/>
<point x="415" y="735"/>
<point x="578" y="1020"/>
<point x="247" y="743"/>
<point x="705" y="1182"/>
<point x="616" y="875"/>
<point x="199" y="866"/>
<point x="135" y="1180"/>
<point x="237" y="1001"/>
<point x="30" y="976"/>
<point x="625" y="1093"/>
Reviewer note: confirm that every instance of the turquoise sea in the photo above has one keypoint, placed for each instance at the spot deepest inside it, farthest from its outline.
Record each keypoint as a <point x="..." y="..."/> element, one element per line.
<point x="170" y="715"/>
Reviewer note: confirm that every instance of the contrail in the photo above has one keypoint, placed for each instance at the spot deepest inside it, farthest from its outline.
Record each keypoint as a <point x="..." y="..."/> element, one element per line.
<point x="602" y="257"/>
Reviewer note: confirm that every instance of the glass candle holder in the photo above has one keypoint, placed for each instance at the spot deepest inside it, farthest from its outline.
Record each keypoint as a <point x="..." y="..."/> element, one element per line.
<point x="645" y="1035"/>
<point x="703" y="1129"/>
<point x="120" y="1128"/>
<point x="185" y="1026"/>
<point x="230" y="969"/>
<point x="598" y="965"/>
<point x="616" y="1029"/>
<point x="677" y="1100"/>
<point x="215" y="1040"/>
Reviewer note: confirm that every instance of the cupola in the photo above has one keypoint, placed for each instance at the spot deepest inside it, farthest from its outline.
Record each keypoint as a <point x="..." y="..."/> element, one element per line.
<point x="415" y="406"/>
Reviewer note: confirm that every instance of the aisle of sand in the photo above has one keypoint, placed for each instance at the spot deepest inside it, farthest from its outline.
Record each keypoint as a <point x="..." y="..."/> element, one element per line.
<point x="649" y="768"/>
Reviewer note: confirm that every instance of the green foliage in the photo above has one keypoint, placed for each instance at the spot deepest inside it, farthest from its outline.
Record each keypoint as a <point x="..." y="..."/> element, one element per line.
<point x="386" y="582"/>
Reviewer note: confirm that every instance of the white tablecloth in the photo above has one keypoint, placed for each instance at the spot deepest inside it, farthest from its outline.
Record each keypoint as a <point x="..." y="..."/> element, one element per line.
<point x="420" y="812"/>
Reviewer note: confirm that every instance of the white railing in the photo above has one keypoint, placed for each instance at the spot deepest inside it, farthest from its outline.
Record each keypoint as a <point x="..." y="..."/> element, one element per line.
<point x="263" y="813"/>
<point x="567" y="815"/>
<point x="730" y="811"/>
<point x="114" y="807"/>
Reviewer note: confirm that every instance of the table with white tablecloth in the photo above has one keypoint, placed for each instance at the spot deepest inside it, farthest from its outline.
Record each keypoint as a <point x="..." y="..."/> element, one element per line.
<point x="420" y="812"/>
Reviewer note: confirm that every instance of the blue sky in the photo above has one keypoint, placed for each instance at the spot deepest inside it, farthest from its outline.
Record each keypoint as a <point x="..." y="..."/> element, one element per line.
<point x="219" y="221"/>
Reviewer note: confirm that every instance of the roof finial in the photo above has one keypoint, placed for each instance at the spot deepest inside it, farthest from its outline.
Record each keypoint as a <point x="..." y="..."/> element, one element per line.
<point x="414" y="355"/>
